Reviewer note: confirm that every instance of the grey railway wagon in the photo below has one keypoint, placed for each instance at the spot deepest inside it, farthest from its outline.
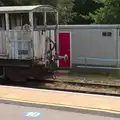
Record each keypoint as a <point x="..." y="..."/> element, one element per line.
<point x="26" y="50"/>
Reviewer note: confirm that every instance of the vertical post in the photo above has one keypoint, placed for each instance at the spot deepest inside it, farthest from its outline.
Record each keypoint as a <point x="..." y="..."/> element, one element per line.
<point x="7" y="33"/>
<point x="32" y="30"/>
<point x="57" y="18"/>
<point x="45" y="19"/>
<point x="31" y="20"/>
<point x="56" y="37"/>
<point x="7" y="21"/>
<point x="85" y="61"/>
<point x="117" y="46"/>
<point x="45" y="25"/>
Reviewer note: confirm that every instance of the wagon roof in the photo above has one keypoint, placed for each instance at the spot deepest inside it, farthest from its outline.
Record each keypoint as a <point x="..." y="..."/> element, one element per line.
<point x="22" y="9"/>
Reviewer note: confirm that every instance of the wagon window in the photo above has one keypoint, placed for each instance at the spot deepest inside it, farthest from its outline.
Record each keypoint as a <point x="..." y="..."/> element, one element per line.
<point x="39" y="18"/>
<point x="25" y="19"/>
<point x="50" y="18"/>
<point x="0" y="21"/>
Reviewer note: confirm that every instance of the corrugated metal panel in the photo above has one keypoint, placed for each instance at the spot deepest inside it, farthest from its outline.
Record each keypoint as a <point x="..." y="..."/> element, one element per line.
<point x="37" y="44"/>
<point x="20" y="42"/>
<point x="3" y="49"/>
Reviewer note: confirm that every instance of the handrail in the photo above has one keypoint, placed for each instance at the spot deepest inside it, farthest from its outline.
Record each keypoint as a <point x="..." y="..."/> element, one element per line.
<point x="99" y="59"/>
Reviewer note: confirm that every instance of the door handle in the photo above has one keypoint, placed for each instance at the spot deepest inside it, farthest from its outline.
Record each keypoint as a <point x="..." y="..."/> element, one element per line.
<point x="65" y="57"/>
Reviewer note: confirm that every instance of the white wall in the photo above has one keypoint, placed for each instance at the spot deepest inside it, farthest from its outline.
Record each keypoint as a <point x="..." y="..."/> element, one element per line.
<point x="88" y="41"/>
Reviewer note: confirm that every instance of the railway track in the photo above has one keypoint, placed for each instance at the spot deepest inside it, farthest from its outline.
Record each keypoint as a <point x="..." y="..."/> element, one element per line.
<point x="79" y="83"/>
<point x="40" y="84"/>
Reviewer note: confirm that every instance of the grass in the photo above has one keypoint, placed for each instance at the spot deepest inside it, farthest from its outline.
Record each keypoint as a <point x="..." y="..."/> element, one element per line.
<point x="110" y="76"/>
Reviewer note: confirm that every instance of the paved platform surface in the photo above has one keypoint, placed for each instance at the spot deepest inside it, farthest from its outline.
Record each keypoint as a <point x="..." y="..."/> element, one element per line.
<point x="21" y="112"/>
<point x="64" y="99"/>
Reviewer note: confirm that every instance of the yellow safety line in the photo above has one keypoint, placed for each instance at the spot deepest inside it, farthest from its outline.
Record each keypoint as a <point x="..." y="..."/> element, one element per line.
<point x="62" y="105"/>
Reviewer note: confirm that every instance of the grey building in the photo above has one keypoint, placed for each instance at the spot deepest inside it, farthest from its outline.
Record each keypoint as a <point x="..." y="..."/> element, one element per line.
<point x="91" y="46"/>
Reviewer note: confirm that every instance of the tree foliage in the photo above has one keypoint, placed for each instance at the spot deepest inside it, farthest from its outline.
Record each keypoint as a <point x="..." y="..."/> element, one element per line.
<point x="108" y="14"/>
<point x="82" y="8"/>
<point x="65" y="8"/>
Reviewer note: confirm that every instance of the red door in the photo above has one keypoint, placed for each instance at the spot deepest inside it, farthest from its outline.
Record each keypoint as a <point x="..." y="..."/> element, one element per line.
<point x="64" y="48"/>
